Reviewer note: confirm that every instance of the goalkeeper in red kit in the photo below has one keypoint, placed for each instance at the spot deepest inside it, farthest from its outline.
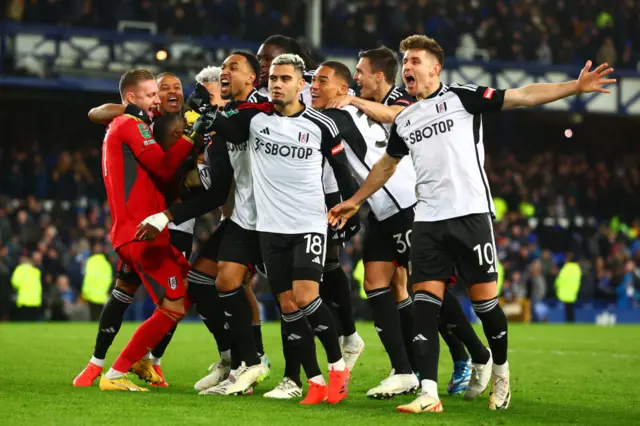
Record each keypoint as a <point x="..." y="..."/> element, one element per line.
<point x="135" y="170"/>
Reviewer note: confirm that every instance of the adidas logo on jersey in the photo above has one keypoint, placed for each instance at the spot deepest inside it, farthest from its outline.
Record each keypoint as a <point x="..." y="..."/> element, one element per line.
<point x="335" y="237"/>
<point x="265" y="131"/>
<point x="408" y="123"/>
<point x="317" y="260"/>
<point x="491" y="270"/>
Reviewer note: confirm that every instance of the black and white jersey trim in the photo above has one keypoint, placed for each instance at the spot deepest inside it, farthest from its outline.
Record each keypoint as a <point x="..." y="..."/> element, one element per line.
<point x="317" y="116"/>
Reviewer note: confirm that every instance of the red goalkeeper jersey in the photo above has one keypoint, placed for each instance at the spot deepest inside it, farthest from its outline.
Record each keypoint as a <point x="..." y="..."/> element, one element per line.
<point x="135" y="171"/>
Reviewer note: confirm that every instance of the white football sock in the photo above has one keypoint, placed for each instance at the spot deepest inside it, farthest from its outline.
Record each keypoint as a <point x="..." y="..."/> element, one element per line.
<point x="226" y="355"/>
<point x="501" y="370"/>
<point x="338" y="365"/>
<point x="353" y="340"/>
<point x="430" y="388"/>
<point x="319" y="380"/>
<point x="96" y="361"/>
<point x="114" y="374"/>
<point x="155" y="361"/>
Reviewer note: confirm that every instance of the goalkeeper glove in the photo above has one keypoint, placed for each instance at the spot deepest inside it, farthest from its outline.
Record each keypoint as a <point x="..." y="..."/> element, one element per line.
<point x="199" y="98"/>
<point x="204" y="123"/>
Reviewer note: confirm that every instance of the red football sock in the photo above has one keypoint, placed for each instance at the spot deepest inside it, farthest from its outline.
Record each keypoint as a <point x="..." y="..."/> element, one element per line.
<point x="146" y="337"/>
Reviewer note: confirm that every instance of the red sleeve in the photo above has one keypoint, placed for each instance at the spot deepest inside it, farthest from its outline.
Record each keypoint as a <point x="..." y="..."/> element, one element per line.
<point x="137" y="135"/>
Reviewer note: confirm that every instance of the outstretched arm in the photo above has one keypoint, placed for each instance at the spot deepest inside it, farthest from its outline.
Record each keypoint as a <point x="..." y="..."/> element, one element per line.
<point x="544" y="93"/>
<point x="378" y="176"/>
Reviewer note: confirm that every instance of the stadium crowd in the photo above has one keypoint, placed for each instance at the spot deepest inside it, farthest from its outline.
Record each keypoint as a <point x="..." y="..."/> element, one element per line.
<point x="549" y="205"/>
<point x="545" y="31"/>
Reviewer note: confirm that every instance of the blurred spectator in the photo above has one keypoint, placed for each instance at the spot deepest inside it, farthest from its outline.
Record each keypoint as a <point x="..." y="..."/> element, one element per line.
<point x="561" y="32"/>
<point x="27" y="282"/>
<point x="98" y="277"/>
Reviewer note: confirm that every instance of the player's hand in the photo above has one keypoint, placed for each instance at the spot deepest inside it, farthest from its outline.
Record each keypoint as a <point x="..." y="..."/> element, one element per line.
<point x="204" y="123"/>
<point x="592" y="81"/>
<point x="340" y="101"/>
<point x="152" y="226"/>
<point x="341" y="213"/>
<point x="199" y="98"/>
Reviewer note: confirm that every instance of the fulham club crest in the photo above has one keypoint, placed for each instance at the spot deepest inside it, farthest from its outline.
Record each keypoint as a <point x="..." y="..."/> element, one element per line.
<point x="303" y="137"/>
<point x="441" y="108"/>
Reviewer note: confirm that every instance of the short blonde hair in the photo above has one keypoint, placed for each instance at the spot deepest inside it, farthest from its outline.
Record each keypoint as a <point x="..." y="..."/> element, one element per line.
<point x="422" y="42"/>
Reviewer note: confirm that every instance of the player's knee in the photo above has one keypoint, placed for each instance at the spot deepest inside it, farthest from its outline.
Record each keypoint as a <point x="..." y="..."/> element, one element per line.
<point x="206" y="266"/>
<point x="230" y="277"/>
<point x="175" y="305"/>
<point x="126" y="287"/>
<point x="434" y="287"/>
<point x="373" y="284"/>
<point x="304" y="295"/>
<point x="287" y="303"/>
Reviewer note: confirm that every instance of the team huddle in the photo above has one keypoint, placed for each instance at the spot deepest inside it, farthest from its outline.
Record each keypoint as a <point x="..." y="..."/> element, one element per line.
<point x="288" y="153"/>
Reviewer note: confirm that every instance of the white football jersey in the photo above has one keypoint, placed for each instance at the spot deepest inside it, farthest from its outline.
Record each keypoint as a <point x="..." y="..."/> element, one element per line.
<point x="287" y="158"/>
<point x="443" y="135"/>
<point x="366" y="141"/>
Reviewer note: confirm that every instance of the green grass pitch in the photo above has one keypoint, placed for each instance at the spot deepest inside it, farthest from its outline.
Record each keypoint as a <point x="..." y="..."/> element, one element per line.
<point x="577" y="374"/>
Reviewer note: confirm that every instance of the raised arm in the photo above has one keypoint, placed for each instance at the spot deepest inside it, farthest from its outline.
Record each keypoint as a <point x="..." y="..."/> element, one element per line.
<point x="544" y="93"/>
<point x="379" y="175"/>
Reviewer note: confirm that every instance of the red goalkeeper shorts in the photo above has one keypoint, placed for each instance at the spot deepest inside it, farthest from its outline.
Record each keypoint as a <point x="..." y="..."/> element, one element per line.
<point x="161" y="267"/>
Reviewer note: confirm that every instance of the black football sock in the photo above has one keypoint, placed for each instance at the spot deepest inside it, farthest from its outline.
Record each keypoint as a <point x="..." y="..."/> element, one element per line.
<point x="453" y="316"/>
<point x="387" y="322"/>
<point x="237" y="312"/>
<point x="426" y="307"/>
<point x="338" y="293"/>
<point x="257" y="338"/>
<point x="494" y="324"/>
<point x="406" y="324"/>
<point x="111" y="321"/>
<point x="158" y="351"/>
<point x="300" y="336"/>
<point x="202" y="290"/>
<point x="323" y="325"/>
<point x="456" y="348"/>
<point x="291" y="358"/>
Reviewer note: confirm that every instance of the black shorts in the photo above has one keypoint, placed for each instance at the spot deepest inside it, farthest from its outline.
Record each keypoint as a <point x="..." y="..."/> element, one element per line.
<point x="388" y="240"/>
<point x="182" y="241"/>
<point x="240" y="245"/>
<point x="292" y="257"/>
<point x="462" y="246"/>
<point x="211" y="247"/>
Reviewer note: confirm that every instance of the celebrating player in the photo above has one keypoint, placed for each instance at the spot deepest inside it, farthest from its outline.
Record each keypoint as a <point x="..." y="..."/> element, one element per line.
<point x="389" y="223"/>
<point x="335" y="285"/>
<point x="383" y="100"/>
<point x="288" y="144"/>
<point x="127" y="282"/>
<point x="233" y="249"/>
<point x="132" y="165"/>
<point x="443" y="134"/>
